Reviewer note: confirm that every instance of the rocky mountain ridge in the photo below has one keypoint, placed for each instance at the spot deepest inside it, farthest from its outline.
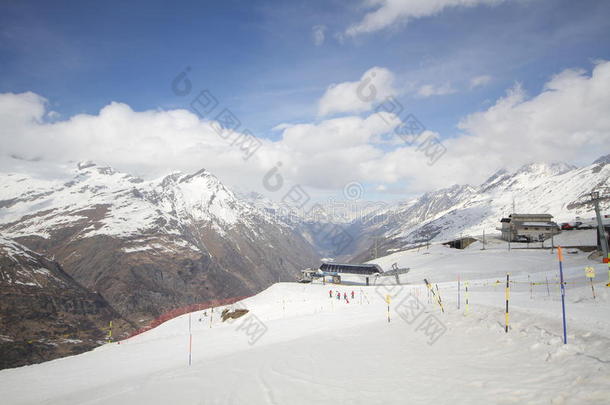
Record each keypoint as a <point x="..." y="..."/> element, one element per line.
<point x="151" y="246"/>
<point x="45" y="313"/>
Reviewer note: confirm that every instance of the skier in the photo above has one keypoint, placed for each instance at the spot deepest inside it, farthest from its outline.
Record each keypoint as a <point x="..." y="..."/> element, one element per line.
<point x="338" y="295"/>
<point x="352" y="294"/>
<point x="345" y="296"/>
<point x="330" y="293"/>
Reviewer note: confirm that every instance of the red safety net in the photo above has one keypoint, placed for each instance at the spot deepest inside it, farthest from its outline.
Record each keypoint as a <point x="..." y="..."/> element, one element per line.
<point x="174" y="313"/>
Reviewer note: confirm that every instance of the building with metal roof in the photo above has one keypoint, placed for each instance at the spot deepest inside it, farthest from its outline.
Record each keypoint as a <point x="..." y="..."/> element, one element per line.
<point x="360" y="269"/>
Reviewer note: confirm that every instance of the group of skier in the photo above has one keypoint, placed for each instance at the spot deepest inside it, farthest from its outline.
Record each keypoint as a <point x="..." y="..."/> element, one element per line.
<point x="338" y="295"/>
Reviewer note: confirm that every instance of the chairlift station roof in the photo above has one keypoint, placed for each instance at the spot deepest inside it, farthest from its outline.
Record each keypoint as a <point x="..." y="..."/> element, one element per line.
<point x="364" y="269"/>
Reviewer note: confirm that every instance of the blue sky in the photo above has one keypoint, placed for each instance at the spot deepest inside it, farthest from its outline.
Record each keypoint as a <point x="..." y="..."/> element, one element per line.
<point x="260" y="59"/>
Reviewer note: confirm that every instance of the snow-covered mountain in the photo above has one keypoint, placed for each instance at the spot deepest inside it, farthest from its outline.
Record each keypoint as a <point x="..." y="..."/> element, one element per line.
<point x="149" y="246"/>
<point x="555" y="188"/>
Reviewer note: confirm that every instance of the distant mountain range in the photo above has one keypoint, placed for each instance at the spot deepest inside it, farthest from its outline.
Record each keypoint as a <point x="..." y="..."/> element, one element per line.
<point x="444" y="214"/>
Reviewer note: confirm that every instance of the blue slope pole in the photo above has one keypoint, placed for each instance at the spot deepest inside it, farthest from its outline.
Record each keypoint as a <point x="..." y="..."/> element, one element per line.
<point x="563" y="294"/>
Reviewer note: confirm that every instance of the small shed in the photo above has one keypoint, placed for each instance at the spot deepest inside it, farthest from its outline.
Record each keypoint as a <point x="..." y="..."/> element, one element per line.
<point x="461" y="243"/>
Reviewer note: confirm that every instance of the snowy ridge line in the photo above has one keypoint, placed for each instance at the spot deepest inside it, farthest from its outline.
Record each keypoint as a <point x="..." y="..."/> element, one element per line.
<point x="174" y="313"/>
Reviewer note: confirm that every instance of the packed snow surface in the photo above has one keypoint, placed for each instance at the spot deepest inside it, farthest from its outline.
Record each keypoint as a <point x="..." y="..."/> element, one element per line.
<point x="299" y="346"/>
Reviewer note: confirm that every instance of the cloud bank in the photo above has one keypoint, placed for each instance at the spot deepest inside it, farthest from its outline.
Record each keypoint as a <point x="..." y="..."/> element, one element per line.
<point x="568" y="120"/>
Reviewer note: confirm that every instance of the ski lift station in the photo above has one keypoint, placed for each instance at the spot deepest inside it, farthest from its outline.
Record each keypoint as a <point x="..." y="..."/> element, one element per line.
<point x="337" y="270"/>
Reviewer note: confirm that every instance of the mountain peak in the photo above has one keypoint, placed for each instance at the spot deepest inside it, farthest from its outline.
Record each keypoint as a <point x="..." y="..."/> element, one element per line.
<point x="84" y="164"/>
<point x="602" y="160"/>
<point x="495" y="178"/>
<point x="92" y="167"/>
<point x="554" y="168"/>
<point x="203" y="173"/>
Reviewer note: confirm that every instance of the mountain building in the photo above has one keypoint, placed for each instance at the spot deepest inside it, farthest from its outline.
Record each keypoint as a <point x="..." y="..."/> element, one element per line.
<point x="528" y="227"/>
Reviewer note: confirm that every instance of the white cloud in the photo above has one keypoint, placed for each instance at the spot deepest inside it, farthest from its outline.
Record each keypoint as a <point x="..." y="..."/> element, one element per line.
<point x="389" y="12"/>
<point x="332" y="153"/>
<point x="281" y="127"/>
<point x="429" y="90"/>
<point x="479" y="81"/>
<point x="24" y="107"/>
<point x="150" y="143"/>
<point x="567" y="121"/>
<point x="53" y="115"/>
<point x="154" y="143"/>
<point x="373" y="87"/>
<point x="318" y="34"/>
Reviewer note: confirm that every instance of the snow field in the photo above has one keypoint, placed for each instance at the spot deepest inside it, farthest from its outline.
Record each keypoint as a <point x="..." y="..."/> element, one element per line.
<point x="318" y="350"/>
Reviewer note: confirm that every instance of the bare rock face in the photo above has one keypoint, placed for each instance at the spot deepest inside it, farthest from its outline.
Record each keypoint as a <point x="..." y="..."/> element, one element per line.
<point x="235" y="314"/>
<point x="44" y="313"/>
<point x="602" y="160"/>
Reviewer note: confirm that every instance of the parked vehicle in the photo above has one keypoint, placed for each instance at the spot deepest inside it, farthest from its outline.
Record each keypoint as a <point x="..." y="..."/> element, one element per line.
<point x="566" y="226"/>
<point x="522" y="238"/>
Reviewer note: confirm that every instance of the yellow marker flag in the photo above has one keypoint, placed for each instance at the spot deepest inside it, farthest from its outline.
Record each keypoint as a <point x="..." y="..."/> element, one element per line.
<point x="507" y="293"/>
<point x="590" y="272"/>
<point x="388" y="299"/>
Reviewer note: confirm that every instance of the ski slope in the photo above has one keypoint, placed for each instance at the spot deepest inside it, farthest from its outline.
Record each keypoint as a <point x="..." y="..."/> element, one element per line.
<point x="312" y="349"/>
